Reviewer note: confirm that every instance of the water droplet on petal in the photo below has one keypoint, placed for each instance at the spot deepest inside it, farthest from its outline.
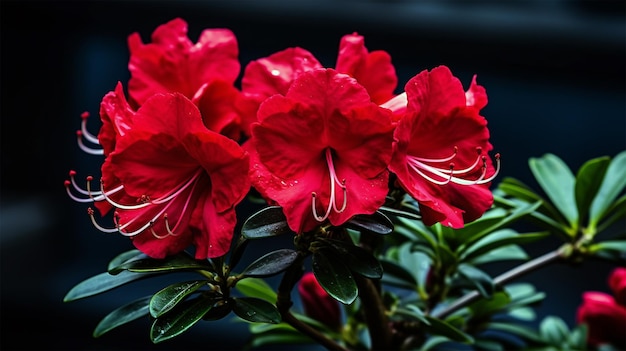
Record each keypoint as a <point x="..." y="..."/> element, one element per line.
<point x="275" y="72"/>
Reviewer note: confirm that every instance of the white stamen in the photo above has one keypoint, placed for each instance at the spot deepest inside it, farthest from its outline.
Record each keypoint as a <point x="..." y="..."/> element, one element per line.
<point x="452" y="175"/>
<point x="332" y="203"/>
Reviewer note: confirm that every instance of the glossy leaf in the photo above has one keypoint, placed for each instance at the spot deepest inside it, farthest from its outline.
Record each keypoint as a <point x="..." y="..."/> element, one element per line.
<point x="416" y="231"/>
<point x="504" y="253"/>
<point x="271" y="263"/>
<point x="481" y="280"/>
<point x="487" y="307"/>
<point x="376" y="223"/>
<point x="616" y="212"/>
<point x="397" y="275"/>
<point x="557" y="181"/>
<point x="439" y="327"/>
<point x="614" y="250"/>
<point x="178" y="262"/>
<point x="357" y="259"/>
<point x="433" y="342"/>
<point x="122" y="315"/>
<point x="253" y="309"/>
<point x="588" y="181"/>
<point x="418" y="263"/>
<point x="166" y="299"/>
<point x="613" y="184"/>
<point x="519" y="190"/>
<point x="497" y="224"/>
<point x="180" y="319"/>
<point x="334" y="276"/>
<point x="220" y="309"/>
<point x="499" y="239"/>
<point x="268" y="222"/>
<point x="412" y="312"/>
<point x="553" y="330"/>
<point x="522" y="331"/>
<point x="130" y="255"/>
<point x="256" y="287"/>
<point x="101" y="283"/>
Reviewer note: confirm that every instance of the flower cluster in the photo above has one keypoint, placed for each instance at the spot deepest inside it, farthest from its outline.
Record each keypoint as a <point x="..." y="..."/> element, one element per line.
<point x="184" y="145"/>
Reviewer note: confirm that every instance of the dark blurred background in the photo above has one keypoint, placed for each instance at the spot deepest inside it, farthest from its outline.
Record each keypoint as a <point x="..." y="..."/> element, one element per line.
<point x="554" y="71"/>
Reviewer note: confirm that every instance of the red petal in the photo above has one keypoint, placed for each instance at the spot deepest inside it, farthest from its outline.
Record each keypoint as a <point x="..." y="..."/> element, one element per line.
<point x="373" y="70"/>
<point x="172" y="63"/>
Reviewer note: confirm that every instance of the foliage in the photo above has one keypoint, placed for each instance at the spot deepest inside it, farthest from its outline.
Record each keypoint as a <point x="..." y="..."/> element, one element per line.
<point x="402" y="284"/>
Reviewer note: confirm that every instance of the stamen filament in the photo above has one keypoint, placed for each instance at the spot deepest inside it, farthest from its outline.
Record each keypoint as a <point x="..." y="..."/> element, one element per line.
<point x="452" y="175"/>
<point x="332" y="203"/>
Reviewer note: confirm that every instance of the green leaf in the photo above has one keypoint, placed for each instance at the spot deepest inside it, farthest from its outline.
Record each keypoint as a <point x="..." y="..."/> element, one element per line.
<point x="524" y="332"/>
<point x="130" y="255"/>
<point x="376" y="223"/>
<point x="496" y="240"/>
<point x="504" y="253"/>
<point x="554" y="330"/>
<point x="417" y="231"/>
<point x="418" y="263"/>
<point x="523" y="313"/>
<point x="413" y="312"/>
<point x="439" y="327"/>
<point x="178" y="262"/>
<point x="495" y="225"/>
<point x="256" y="287"/>
<point x="614" y="250"/>
<point x="433" y="341"/>
<point x="481" y="280"/>
<point x="268" y="222"/>
<point x="557" y="181"/>
<point x="123" y="315"/>
<point x="397" y="275"/>
<point x="519" y="190"/>
<point x="253" y="309"/>
<point x="588" y="181"/>
<point x="219" y="310"/>
<point x="101" y="283"/>
<point x="612" y="185"/>
<point x="334" y="276"/>
<point x="166" y="299"/>
<point x="357" y="259"/>
<point x="278" y="337"/>
<point x="180" y="319"/>
<point x="578" y="337"/>
<point x="487" y="307"/>
<point x="271" y="263"/>
<point x="616" y="212"/>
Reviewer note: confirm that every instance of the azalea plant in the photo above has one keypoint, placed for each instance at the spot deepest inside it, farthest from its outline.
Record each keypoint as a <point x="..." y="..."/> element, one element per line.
<point x="391" y="202"/>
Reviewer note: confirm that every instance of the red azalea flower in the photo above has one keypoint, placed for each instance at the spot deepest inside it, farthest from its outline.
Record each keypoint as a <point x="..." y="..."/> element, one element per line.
<point x="317" y="303"/>
<point x="321" y="151"/>
<point x="440" y="147"/>
<point x="172" y="63"/>
<point x="605" y="319"/>
<point x="274" y="74"/>
<point x="172" y="182"/>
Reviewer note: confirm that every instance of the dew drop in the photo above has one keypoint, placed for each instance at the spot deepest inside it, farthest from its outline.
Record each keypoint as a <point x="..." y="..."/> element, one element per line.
<point x="275" y="72"/>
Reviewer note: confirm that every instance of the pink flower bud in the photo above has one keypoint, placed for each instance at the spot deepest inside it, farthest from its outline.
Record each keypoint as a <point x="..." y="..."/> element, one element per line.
<point x="317" y="303"/>
<point x="605" y="319"/>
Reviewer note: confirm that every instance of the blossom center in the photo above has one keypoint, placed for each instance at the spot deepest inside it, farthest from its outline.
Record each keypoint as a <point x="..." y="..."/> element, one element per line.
<point x="442" y="171"/>
<point x="332" y="201"/>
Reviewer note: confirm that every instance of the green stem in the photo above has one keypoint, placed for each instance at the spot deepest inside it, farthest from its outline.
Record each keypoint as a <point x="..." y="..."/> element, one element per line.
<point x="375" y="315"/>
<point x="502" y="279"/>
<point x="283" y="303"/>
